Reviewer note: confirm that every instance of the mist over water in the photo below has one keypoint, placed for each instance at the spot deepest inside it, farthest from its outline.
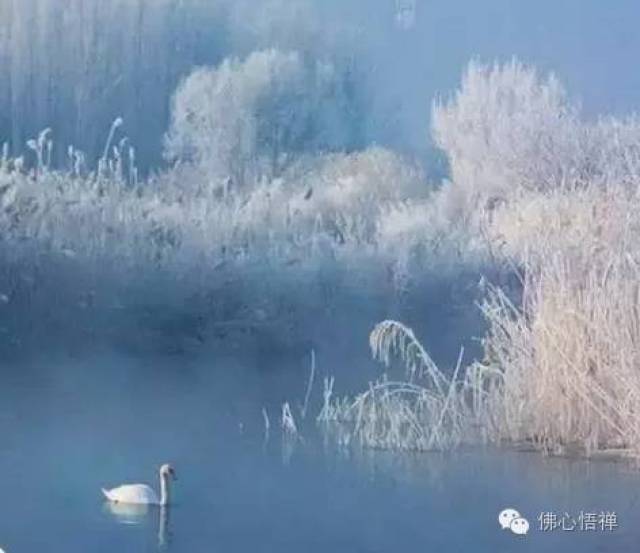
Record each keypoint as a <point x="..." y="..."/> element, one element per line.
<point x="71" y="425"/>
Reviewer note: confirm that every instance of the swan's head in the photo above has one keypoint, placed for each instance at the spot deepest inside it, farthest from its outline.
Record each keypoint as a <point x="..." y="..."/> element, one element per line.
<point x="167" y="471"/>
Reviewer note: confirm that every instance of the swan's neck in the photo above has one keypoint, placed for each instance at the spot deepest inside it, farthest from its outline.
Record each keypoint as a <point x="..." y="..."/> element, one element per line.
<point x="164" y="489"/>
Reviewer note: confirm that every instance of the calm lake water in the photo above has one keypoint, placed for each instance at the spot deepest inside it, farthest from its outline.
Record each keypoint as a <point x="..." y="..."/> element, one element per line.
<point x="72" y="425"/>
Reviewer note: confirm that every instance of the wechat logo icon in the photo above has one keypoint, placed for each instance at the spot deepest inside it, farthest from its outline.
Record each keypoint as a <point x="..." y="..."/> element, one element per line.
<point x="514" y="521"/>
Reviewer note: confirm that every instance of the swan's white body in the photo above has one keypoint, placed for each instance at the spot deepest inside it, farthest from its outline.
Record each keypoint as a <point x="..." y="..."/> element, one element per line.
<point x="132" y="493"/>
<point x="142" y="494"/>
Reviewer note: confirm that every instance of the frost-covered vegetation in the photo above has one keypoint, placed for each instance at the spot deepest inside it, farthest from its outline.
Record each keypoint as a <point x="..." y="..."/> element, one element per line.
<point x="258" y="218"/>
<point x="270" y="212"/>
<point x="427" y="410"/>
<point x="250" y="119"/>
<point x="556" y="196"/>
<point x="567" y="354"/>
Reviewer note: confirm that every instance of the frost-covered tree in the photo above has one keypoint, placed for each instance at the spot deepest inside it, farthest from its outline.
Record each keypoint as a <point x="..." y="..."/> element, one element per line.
<point x="509" y="128"/>
<point x="252" y="117"/>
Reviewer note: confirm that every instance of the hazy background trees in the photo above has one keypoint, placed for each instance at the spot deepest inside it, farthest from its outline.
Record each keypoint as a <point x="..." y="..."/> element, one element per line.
<point x="75" y="65"/>
<point x="254" y="117"/>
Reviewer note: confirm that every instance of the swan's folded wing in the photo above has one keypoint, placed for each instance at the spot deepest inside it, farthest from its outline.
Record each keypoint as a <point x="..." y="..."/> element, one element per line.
<point x="132" y="493"/>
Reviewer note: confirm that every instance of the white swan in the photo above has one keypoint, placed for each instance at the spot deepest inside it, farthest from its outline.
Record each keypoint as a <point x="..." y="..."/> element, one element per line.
<point x="141" y="493"/>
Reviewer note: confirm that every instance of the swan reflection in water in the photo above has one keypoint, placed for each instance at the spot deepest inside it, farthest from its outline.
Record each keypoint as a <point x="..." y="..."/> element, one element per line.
<point x="133" y="513"/>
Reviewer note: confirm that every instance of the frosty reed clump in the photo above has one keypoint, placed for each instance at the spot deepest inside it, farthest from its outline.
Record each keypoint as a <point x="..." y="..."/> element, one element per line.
<point x="559" y="373"/>
<point x="426" y="411"/>
<point x="568" y="355"/>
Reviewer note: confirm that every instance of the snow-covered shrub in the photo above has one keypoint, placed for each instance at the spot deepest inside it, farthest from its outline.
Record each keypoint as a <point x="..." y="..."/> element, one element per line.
<point x="336" y="189"/>
<point x="614" y="150"/>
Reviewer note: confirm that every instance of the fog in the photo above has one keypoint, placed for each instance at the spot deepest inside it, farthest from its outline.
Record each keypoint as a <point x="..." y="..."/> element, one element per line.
<point x="75" y="65"/>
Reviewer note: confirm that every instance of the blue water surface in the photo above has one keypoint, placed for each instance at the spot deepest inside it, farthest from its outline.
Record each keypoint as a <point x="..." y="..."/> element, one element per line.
<point x="71" y="425"/>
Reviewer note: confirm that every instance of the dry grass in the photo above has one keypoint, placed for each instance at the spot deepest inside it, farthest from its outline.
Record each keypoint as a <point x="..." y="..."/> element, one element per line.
<point x="568" y="362"/>
<point x="569" y="356"/>
<point x="425" y="411"/>
<point x="561" y="371"/>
